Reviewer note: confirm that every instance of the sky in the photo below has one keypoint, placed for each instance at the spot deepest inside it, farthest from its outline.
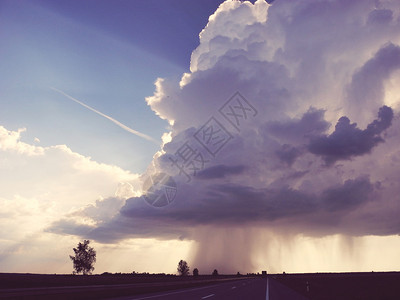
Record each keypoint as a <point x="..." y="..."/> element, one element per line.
<point x="241" y="136"/>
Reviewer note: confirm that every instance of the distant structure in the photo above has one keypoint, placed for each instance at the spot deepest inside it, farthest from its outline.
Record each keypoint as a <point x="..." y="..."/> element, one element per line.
<point x="264" y="273"/>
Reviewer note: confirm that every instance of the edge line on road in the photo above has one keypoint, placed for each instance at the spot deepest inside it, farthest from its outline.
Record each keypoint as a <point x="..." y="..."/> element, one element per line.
<point x="177" y="292"/>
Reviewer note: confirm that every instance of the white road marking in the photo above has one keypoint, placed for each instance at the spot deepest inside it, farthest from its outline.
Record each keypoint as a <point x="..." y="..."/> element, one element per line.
<point x="173" y="293"/>
<point x="205" y="297"/>
<point x="267" y="295"/>
<point x="234" y="287"/>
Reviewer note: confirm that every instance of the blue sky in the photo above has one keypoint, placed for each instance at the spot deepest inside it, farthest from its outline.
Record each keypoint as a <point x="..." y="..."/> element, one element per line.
<point x="107" y="54"/>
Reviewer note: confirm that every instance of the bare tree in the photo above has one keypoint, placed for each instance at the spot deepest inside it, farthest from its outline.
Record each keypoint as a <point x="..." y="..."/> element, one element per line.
<point x="183" y="268"/>
<point x="84" y="258"/>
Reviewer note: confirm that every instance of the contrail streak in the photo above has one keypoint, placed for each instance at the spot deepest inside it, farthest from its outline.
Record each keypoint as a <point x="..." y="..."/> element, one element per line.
<point x="135" y="132"/>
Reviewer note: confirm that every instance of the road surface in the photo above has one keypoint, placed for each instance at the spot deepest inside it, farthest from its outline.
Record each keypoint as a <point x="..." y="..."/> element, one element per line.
<point x="254" y="289"/>
<point x="233" y="289"/>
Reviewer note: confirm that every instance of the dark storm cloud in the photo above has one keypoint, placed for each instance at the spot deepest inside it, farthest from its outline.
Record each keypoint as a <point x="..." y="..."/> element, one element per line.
<point x="384" y="222"/>
<point x="228" y="203"/>
<point x="312" y="123"/>
<point x="244" y="203"/>
<point x="288" y="154"/>
<point x="69" y="226"/>
<point x="223" y="204"/>
<point x="348" y="141"/>
<point x="347" y="196"/>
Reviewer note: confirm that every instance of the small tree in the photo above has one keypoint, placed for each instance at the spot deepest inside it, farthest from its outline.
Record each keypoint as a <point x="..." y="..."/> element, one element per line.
<point x="183" y="268"/>
<point x="215" y="272"/>
<point x="195" y="272"/>
<point x="84" y="258"/>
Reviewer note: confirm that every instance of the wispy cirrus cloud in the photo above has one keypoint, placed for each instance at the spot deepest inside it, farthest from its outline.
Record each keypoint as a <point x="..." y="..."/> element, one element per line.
<point x="133" y="131"/>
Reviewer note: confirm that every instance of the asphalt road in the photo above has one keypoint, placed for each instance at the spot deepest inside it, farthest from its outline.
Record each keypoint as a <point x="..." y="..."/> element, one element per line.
<point x="236" y="289"/>
<point x="254" y="289"/>
<point x="106" y="291"/>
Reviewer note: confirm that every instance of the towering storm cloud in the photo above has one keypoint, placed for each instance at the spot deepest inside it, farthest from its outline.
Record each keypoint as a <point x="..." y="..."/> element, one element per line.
<point x="308" y="146"/>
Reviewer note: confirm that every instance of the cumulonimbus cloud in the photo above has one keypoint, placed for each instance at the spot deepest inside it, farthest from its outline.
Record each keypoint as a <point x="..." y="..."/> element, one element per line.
<point x="303" y="65"/>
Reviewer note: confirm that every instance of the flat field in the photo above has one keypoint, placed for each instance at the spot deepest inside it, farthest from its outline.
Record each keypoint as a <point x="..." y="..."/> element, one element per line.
<point x="333" y="286"/>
